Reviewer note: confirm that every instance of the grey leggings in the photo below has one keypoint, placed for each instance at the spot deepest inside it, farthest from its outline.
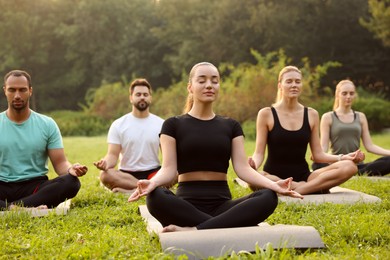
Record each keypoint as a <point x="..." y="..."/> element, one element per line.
<point x="208" y="204"/>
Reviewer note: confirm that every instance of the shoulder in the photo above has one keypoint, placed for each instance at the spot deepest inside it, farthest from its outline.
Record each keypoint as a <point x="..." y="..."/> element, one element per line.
<point x="360" y="114"/>
<point x="156" y="118"/>
<point x="174" y="120"/>
<point x="327" y="116"/>
<point x="42" y="118"/>
<point x="265" y="112"/>
<point x="312" y="112"/>
<point x="225" y="118"/>
<point x="120" y="120"/>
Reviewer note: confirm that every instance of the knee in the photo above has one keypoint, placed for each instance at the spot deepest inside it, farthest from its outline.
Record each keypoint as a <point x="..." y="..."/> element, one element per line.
<point x="154" y="196"/>
<point x="350" y="168"/>
<point x="269" y="196"/>
<point x="155" y="199"/>
<point x="273" y="198"/>
<point x="72" y="184"/>
<point x="105" y="178"/>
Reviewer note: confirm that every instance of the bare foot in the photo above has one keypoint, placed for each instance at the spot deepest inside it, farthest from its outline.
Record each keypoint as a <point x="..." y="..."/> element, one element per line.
<point x="121" y="190"/>
<point x="174" y="228"/>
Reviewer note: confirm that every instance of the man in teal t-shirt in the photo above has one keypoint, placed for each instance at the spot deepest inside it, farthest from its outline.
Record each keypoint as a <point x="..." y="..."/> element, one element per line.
<point x="27" y="140"/>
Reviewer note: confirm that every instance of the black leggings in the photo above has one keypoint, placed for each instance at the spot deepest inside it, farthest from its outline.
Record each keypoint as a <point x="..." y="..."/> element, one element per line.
<point x="208" y="204"/>
<point x="379" y="167"/>
<point x="39" y="191"/>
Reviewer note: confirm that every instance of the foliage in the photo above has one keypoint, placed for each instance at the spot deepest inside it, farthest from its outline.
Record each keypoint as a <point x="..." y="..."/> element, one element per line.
<point x="376" y="111"/>
<point x="249" y="128"/>
<point x="374" y="106"/>
<point x="379" y="22"/>
<point x="109" y="101"/>
<point x="170" y="102"/>
<point x="70" y="46"/>
<point x="245" y="88"/>
<point x="77" y="123"/>
<point x="103" y="225"/>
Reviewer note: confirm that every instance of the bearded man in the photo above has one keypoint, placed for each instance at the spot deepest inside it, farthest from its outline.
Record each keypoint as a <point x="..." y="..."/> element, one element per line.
<point x="134" y="140"/>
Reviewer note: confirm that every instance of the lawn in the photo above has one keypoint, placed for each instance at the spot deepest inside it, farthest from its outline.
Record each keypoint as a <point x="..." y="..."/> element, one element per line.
<point x="102" y="225"/>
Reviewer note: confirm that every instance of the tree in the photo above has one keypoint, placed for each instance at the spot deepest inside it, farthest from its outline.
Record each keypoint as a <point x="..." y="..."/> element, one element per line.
<point x="379" y="22"/>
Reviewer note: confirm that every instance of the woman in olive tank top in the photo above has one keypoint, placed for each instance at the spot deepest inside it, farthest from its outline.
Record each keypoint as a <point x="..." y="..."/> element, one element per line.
<point x="286" y="129"/>
<point x="343" y="129"/>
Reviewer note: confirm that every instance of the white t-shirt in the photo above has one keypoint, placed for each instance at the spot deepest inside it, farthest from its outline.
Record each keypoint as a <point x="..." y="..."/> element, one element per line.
<point x="139" y="139"/>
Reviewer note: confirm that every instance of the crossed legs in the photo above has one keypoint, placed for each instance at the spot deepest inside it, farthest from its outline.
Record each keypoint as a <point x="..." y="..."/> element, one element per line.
<point x="327" y="177"/>
<point x="117" y="180"/>
<point x="37" y="192"/>
<point x="174" y="212"/>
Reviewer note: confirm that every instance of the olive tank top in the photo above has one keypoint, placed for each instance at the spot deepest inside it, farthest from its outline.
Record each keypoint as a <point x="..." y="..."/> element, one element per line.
<point x="345" y="137"/>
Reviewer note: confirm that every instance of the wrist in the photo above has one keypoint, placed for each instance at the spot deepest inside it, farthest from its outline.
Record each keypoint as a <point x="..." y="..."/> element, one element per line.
<point x="339" y="157"/>
<point x="68" y="171"/>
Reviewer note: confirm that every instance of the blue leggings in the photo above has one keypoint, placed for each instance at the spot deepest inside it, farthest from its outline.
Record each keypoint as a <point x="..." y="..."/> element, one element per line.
<point x="39" y="191"/>
<point x="208" y="204"/>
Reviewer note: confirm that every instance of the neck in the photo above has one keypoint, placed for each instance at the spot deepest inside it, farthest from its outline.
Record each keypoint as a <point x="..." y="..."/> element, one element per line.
<point x="204" y="112"/>
<point x="289" y="104"/>
<point x="18" y="116"/>
<point x="344" y="110"/>
<point x="140" y="114"/>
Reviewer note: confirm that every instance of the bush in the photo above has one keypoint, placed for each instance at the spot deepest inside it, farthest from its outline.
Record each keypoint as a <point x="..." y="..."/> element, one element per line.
<point x="109" y="101"/>
<point x="376" y="111"/>
<point x="249" y="128"/>
<point x="374" y="106"/>
<point x="77" y="123"/>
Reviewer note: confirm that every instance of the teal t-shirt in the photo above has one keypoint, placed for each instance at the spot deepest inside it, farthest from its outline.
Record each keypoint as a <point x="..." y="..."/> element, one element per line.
<point x="24" y="147"/>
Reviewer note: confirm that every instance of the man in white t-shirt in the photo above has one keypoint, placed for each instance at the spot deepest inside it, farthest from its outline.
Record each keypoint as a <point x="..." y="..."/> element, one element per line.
<point x="134" y="140"/>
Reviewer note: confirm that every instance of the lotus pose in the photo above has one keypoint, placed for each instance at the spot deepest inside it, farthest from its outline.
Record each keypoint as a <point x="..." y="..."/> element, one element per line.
<point x="287" y="128"/>
<point x="198" y="146"/>
<point x="132" y="138"/>
<point x="27" y="140"/>
<point x="343" y="128"/>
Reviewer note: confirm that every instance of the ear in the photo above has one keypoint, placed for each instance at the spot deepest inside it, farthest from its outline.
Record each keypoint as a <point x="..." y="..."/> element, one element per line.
<point x="31" y="91"/>
<point x="130" y="99"/>
<point x="189" y="88"/>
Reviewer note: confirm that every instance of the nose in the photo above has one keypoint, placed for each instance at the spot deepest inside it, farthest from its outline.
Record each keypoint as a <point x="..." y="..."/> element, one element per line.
<point x="17" y="94"/>
<point x="208" y="84"/>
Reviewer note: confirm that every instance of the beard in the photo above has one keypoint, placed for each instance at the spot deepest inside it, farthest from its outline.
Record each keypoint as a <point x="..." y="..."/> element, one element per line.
<point x="142" y="105"/>
<point x="20" y="106"/>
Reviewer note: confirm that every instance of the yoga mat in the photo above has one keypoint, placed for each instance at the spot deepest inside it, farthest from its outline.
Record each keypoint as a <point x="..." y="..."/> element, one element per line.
<point x="61" y="209"/>
<point x="337" y="195"/>
<point x="199" y="244"/>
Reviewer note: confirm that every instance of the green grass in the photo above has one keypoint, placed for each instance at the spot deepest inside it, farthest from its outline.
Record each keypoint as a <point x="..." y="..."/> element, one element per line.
<point x="102" y="225"/>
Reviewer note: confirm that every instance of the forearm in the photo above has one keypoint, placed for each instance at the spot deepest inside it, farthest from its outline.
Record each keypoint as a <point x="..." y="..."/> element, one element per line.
<point x="378" y="150"/>
<point x="111" y="161"/>
<point x="258" y="159"/>
<point x="63" y="168"/>
<point x="326" y="157"/>
<point x="164" y="177"/>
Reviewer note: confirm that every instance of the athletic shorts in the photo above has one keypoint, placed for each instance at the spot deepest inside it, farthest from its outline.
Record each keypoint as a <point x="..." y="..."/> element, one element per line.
<point x="143" y="174"/>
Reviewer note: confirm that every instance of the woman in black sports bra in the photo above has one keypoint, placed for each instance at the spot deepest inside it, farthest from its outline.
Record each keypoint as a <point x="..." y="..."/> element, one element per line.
<point x="198" y="146"/>
<point x="286" y="129"/>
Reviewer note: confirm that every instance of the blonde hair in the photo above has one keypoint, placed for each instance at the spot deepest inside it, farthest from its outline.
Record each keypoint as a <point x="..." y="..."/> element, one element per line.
<point x="337" y="91"/>
<point x="281" y="73"/>
<point x="190" y="98"/>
